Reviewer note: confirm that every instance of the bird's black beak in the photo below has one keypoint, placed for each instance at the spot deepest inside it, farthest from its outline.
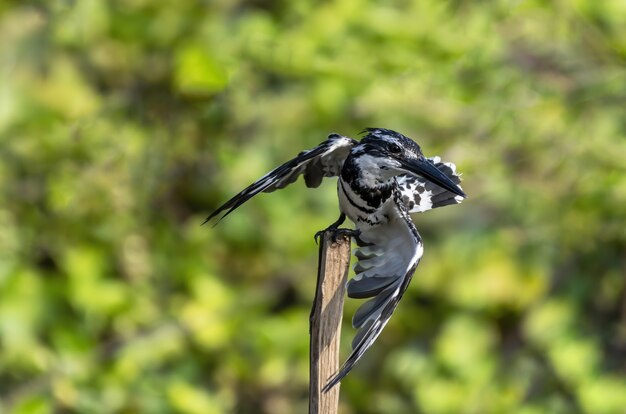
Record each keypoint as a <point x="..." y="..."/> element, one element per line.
<point x="425" y="168"/>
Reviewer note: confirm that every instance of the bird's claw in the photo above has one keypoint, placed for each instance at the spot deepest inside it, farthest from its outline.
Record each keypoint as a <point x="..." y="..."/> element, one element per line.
<point x="336" y="233"/>
<point x="344" y="233"/>
<point x="318" y="235"/>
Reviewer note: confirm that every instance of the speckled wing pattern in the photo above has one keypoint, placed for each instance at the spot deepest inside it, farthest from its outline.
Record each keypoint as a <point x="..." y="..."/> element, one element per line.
<point x="387" y="258"/>
<point x="325" y="160"/>
<point x="420" y="195"/>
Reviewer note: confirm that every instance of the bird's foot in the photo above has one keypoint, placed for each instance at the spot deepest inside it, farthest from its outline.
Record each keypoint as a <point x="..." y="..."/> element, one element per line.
<point x="337" y="233"/>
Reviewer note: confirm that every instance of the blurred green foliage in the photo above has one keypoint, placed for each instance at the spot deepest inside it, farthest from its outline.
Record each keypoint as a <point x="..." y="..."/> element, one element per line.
<point x="124" y="123"/>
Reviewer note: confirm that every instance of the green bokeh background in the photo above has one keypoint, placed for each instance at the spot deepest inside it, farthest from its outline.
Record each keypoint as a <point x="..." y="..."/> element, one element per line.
<point x="124" y="123"/>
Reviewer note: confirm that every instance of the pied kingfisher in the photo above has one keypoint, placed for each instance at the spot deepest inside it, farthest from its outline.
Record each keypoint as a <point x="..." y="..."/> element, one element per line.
<point x="382" y="179"/>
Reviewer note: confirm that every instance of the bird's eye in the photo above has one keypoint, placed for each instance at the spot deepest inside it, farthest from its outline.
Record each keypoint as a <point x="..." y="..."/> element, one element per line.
<point x="394" y="148"/>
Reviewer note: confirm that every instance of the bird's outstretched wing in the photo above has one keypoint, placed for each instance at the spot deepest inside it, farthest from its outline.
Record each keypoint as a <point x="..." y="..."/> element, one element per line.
<point x="325" y="160"/>
<point x="420" y="195"/>
<point x="387" y="256"/>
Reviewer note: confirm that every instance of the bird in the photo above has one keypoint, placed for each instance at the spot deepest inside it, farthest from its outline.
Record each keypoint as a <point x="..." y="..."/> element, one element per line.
<point x="382" y="179"/>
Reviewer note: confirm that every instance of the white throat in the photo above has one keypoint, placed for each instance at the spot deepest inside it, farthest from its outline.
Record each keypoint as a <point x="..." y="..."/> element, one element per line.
<point x="375" y="171"/>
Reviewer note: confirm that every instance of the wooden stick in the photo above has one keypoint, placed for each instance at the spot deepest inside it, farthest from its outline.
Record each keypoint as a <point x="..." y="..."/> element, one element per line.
<point x="326" y="315"/>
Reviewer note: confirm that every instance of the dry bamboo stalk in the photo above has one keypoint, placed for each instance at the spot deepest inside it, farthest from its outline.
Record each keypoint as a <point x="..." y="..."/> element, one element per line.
<point x="326" y="315"/>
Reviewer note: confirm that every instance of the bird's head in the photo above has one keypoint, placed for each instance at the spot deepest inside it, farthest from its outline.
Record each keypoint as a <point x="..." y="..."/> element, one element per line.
<point x="392" y="153"/>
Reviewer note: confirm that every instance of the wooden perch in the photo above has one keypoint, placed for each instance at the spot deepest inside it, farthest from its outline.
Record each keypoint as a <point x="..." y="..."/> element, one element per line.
<point x="326" y="315"/>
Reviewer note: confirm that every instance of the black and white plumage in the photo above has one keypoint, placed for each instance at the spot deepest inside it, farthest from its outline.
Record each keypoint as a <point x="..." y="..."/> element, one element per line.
<point x="382" y="179"/>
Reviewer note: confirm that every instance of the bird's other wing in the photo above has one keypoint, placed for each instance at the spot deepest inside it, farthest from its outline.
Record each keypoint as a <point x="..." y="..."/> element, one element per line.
<point x="325" y="160"/>
<point x="387" y="256"/>
<point x="419" y="194"/>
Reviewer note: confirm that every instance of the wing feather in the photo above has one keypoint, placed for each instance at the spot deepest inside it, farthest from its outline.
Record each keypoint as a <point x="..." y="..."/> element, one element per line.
<point x="399" y="245"/>
<point x="325" y="160"/>
<point x="420" y="195"/>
